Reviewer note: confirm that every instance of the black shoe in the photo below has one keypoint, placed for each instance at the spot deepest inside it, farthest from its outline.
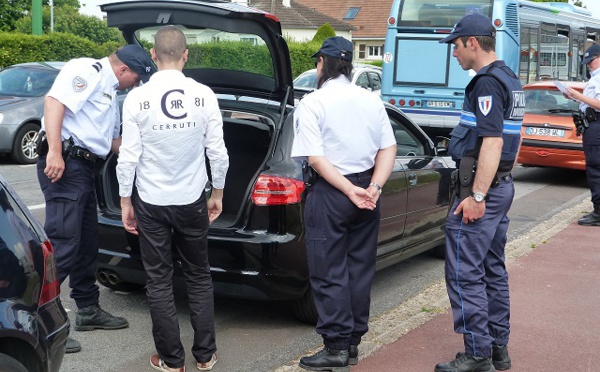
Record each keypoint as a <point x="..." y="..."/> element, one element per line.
<point x="73" y="346"/>
<point x="326" y="360"/>
<point x="500" y="357"/>
<point x="93" y="317"/>
<point x="353" y="355"/>
<point x="466" y="363"/>
<point x="592" y="219"/>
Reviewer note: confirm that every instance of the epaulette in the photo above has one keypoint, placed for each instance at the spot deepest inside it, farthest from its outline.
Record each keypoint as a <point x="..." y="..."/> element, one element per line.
<point x="97" y="66"/>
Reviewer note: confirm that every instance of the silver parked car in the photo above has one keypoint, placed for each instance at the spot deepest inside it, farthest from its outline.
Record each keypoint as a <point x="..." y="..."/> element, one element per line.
<point x="365" y="76"/>
<point x="22" y="91"/>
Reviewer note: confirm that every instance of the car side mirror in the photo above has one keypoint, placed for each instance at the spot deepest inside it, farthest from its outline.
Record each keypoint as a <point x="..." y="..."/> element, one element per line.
<point x="441" y="145"/>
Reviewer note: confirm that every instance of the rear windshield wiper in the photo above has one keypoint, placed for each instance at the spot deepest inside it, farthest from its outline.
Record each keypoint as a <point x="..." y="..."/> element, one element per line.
<point x="560" y="110"/>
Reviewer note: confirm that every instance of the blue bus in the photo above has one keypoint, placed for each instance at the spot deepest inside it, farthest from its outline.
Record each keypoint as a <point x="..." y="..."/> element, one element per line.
<point x="539" y="41"/>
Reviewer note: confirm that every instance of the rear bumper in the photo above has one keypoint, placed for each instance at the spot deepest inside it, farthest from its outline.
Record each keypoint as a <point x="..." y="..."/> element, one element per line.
<point x="244" y="265"/>
<point x="558" y="155"/>
<point x="55" y="322"/>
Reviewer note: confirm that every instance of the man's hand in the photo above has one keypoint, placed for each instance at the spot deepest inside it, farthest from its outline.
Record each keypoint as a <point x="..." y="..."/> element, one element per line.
<point x="361" y="197"/>
<point x="470" y="209"/>
<point x="215" y="207"/>
<point x="128" y="216"/>
<point x="55" y="166"/>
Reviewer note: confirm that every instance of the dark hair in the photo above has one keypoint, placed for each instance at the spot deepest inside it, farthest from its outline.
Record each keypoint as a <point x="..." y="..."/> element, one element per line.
<point x="487" y="43"/>
<point x="332" y="68"/>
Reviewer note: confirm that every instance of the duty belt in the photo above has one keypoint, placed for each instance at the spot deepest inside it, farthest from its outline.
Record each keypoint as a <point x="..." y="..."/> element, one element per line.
<point x="82" y="153"/>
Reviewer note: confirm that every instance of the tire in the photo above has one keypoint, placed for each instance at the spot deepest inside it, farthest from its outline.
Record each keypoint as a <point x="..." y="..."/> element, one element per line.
<point x="8" y="364"/>
<point x="24" y="150"/>
<point x="439" y="251"/>
<point x="304" y="309"/>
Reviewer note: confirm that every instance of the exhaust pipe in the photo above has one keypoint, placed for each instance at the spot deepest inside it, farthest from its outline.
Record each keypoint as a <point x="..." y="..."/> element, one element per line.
<point x="113" y="278"/>
<point x="102" y="276"/>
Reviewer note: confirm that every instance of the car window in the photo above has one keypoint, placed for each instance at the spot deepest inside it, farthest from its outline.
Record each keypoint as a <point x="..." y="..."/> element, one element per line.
<point x="375" y="80"/>
<point x="206" y="47"/>
<point x="539" y="101"/>
<point x="362" y="80"/>
<point x="307" y="80"/>
<point x="407" y="144"/>
<point x="26" y="82"/>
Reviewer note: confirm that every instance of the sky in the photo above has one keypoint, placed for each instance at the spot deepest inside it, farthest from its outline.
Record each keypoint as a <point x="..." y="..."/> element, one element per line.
<point x="90" y="7"/>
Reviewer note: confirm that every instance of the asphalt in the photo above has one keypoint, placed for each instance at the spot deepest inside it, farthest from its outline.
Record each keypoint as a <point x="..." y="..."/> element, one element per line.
<point x="554" y="280"/>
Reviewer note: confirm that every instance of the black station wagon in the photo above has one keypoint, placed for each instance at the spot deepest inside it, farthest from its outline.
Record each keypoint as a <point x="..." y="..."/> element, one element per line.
<point x="256" y="247"/>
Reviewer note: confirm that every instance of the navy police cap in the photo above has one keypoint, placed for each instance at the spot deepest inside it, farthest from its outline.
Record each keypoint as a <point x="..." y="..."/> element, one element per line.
<point x="473" y="24"/>
<point x="590" y="54"/>
<point x="136" y="58"/>
<point x="336" y="47"/>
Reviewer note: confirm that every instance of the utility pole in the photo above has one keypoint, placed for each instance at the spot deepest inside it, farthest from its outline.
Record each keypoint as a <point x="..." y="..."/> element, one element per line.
<point x="36" y="17"/>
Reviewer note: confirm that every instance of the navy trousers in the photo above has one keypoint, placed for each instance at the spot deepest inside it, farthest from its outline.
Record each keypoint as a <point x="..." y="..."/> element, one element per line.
<point x="591" y="149"/>
<point x="341" y="246"/>
<point x="72" y="226"/>
<point x="476" y="277"/>
<point x="186" y="228"/>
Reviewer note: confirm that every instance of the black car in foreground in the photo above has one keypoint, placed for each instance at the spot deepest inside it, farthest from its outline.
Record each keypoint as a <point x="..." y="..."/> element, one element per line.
<point x="256" y="247"/>
<point x="33" y="323"/>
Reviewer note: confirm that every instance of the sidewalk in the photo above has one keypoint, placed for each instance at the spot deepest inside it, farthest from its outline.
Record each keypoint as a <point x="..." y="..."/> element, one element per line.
<point x="555" y="314"/>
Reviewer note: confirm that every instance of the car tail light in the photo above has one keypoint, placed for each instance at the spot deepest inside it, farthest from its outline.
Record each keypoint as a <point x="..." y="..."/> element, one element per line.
<point x="276" y="190"/>
<point x="50" y="284"/>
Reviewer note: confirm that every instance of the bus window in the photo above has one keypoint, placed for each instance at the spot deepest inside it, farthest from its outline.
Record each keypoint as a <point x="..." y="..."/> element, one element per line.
<point x="440" y="13"/>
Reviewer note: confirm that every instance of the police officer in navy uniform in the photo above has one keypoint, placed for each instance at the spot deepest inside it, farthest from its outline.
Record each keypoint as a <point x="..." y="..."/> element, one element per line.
<point x="344" y="133"/>
<point x="82" y="121"/>
<point x="489" y="131"/>
<point x="589" y="103"/>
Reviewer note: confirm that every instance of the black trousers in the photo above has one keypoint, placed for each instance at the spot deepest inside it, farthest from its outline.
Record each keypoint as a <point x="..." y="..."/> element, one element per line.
<point x="184" y="227"/>
<point x="72" y="226"/>
<point x="591" y="149"/>
<point x="341" y="246"/>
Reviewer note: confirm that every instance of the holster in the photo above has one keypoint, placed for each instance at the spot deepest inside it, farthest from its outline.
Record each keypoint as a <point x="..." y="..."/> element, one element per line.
<point x="309" y="174"/>
<point x="581" y="121"/>
<point x="466" y="175"/>
<point x="41" y="144"/>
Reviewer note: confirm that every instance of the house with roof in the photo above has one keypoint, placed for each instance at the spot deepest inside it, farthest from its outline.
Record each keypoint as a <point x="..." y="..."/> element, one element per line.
<point x="368" y="18"/>
<point x="299" y="22"/>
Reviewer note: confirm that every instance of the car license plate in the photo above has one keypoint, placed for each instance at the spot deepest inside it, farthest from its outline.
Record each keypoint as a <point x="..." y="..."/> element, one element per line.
<point x="440" y="104"/>
<point x="550" y="132"/>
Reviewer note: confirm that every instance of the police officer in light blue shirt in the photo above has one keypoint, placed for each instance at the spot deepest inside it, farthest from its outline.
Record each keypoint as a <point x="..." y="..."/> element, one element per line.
<point x="489" y="132"/>
<point x="589" y="103"/>
<point x="344" y="133"/>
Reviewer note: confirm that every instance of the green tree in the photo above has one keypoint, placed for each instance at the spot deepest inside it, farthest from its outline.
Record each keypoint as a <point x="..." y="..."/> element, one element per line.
<point x="324" y="32"/>
<point x="11" y="11"/>
<point x="68" y="20"/>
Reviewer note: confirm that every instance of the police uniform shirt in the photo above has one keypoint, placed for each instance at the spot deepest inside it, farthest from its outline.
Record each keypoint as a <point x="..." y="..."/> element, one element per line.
<point x="167" y="124"/>
<point x="346" y="124"/>
<point x="88" y="89"/>
<point x="592" y="89"/>
<point x="491" y="111"/>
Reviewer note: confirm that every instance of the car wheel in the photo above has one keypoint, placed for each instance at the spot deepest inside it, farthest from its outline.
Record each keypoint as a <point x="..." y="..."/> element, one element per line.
<point x="439" y="251"/>
<point x="8" y="364"/>
<point x="304" y="309"/>
<point x="24" y="146"/>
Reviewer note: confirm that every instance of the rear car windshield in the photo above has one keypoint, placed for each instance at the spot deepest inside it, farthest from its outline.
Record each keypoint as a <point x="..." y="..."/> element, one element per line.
<point x="440" y="13"/>
<point x="220" y="50"/>
<point x="539" y="101"/>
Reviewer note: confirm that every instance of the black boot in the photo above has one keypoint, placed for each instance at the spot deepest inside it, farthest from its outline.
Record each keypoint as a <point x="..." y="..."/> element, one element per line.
<point x="466" y="363"/>
<point x="353" y="355"/>
<point x="73" y="346"/>
<point x="93" y="317"/>
<point x="592" y="219"/>
<point x="500" y="357"/>
<point x="326" y="360"/>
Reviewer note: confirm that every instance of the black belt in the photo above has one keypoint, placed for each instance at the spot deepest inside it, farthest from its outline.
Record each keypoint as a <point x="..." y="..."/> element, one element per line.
<point x="83" y="153"/>
<point x="368" y="172"/>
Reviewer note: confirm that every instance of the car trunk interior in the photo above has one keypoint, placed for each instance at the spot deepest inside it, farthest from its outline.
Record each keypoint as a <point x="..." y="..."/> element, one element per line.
<point x="247" y="138"/>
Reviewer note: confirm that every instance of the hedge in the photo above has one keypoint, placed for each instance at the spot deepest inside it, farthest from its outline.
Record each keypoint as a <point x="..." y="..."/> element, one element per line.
<point x="19" y="48"/>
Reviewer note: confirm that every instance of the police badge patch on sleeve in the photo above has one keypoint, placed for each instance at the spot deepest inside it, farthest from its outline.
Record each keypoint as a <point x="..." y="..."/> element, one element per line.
<point x="79" y="84"/>
<point x="485" y="104"/>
